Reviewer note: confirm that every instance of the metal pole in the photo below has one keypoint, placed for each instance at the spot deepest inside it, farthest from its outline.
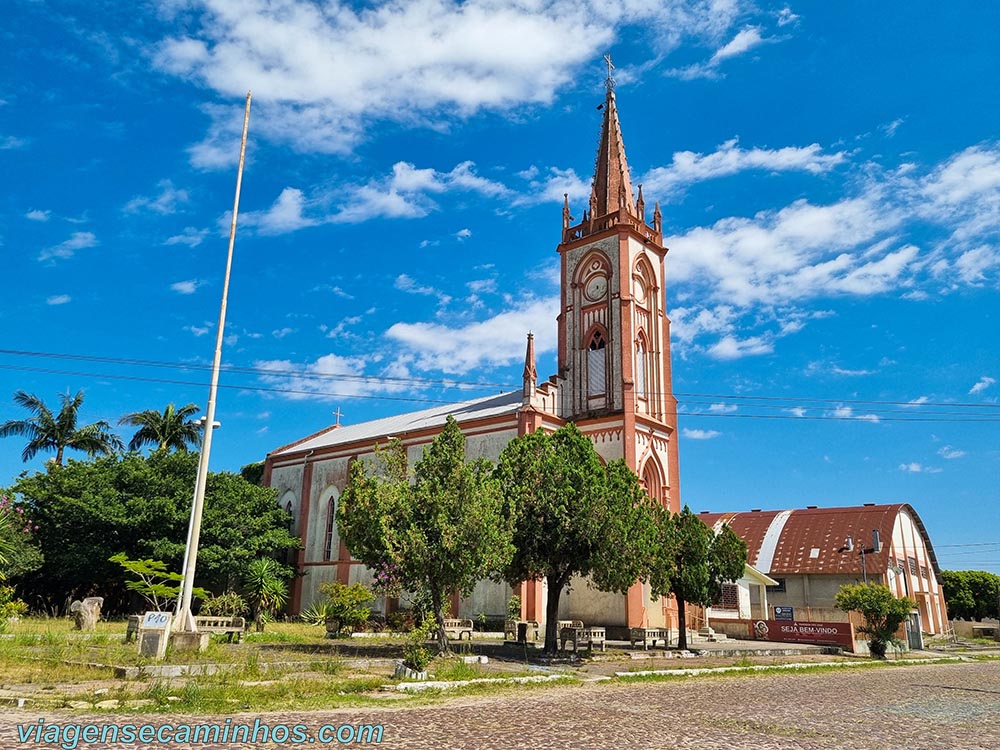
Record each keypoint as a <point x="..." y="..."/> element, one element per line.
<point x="185" y="617"/>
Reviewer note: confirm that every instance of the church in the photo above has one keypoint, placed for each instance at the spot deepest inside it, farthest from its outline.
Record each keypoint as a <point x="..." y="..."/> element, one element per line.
<point x="613" y="381"/>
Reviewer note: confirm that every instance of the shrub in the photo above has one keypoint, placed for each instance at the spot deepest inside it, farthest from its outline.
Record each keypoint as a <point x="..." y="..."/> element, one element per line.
<point x="416" y="655"/>
<point x="883" y="613"/>
<point x="346" y="607"/>
<point x="229" y="604"/>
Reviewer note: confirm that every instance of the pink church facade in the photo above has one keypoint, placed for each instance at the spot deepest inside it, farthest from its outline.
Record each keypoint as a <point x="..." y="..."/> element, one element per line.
<point x="613" y="381"/>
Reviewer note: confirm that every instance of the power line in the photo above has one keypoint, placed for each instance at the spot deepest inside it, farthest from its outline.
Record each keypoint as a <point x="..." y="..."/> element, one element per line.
<point x="769" y="402"/>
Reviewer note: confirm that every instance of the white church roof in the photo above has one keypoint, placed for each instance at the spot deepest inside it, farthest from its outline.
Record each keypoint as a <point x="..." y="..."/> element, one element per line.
<point x="401" y="424"/>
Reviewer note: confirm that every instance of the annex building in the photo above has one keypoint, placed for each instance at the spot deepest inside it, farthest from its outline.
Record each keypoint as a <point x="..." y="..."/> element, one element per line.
<point x="613" y="381"/>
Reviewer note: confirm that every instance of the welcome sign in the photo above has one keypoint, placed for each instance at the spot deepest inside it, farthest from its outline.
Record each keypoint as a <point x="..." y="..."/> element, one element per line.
<point x="826" y="633"/>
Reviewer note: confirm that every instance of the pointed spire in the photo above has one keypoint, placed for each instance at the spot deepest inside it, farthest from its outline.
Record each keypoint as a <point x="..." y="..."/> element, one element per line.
<point x="530" y="372"/>
<point x="640" y="205"/>
<point x="567" y="219"/>
<point x="657" y="219"/>
<point x="612" y="185"/>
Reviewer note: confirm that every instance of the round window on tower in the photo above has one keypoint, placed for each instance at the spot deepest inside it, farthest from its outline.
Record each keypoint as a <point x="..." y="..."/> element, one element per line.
<point x="596" y="288"/>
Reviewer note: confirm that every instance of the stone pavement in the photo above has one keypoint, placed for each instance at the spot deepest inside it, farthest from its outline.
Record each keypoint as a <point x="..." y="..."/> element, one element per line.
<point x="923" y="707"/>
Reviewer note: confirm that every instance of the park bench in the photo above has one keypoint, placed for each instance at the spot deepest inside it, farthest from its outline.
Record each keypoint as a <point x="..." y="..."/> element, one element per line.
<point x="455" y="628"/>
<point x="222" y="626"/>
<point x="579" y="635"/>
<point x="531" y="628"/>
<point x="649" y="636"/>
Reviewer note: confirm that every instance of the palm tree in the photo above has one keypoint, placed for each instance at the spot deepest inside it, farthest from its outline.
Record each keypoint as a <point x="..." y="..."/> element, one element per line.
<point x="46" y="432"/>
<point x="172" y="428"/>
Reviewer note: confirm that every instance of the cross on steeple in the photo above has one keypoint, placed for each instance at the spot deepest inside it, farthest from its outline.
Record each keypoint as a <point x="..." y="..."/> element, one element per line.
<point x="338" y="415"/>
<point x="610" y="82"/>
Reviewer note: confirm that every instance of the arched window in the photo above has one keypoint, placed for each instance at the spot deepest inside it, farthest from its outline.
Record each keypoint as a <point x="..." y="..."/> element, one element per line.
<point x="641" y="366"/>
<point x="291" y="518"/>
<point x="331" y="520"/>
<point x="597" y="381"/>
<point x="651" y="480"/>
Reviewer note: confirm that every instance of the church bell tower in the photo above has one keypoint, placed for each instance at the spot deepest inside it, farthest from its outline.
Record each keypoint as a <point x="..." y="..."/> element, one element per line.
<point x="614" y="334"/>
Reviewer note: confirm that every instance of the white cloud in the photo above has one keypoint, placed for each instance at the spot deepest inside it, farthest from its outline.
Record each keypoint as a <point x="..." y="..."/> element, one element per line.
<point x="700" y="434"/>
<point x="847" y="412"/>
<point x="199" y="330"/>
<point x="284" y="215"/>
<point x="688" y="168"/>
<point x="322" y="74"/>
<point x="37" y="214"/>
<point x="723" y="408"/>
<point x="67" y="248"/>
<point x="58" y="299"/>
<point x="917" y="401"/>
<point x="916" y="468"/>
<point x="282" y="332"/>
<point x="463" y="234"/>
<point x="498" y="340"/>
<point x="949" y="453"/>
<point x="328" y="377"/>
<point x="730" y="347"/>
<point x="744" y="41"/>
<point x="786" y="16"/>
<point x="982" y="384"/>
<point x="12" y="143"/>
<point x="186" y="287"/>
<point x="836" y="370"/>
<point x="890" y="128"/>
<point x="406" y="284"/>
<point x="191" y="237"/>
<point x="554" y="186"/>
<point x="796" y="411"/>
<point x="167" y="202"/>
<point x="480" y="286"/>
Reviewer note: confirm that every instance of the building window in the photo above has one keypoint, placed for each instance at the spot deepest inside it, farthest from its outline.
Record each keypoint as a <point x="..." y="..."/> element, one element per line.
<point x="291" y="517"/>
<point x="924" y="573"/>
<point x="641" y="367"/>
<point x="331" y="520"/>
<point x="780" y="588"/>
<point x="729" y="598"/>
<point x="597" y="384"/>
<point x="914" y="568"/>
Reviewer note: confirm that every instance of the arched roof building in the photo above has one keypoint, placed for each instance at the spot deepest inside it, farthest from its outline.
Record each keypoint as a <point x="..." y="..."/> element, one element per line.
<point x="813" y="551"/>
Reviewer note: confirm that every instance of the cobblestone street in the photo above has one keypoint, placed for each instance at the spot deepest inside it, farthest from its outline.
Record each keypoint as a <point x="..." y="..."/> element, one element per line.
<point x="915" y="707"/>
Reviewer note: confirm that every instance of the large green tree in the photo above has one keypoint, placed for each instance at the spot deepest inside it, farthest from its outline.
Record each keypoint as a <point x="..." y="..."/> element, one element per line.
<point x="883" y="612"/>
<point x="573" y="517"/>
<point x="88" y="511"/>
<point x="691" y="562"/>
<point x="440" y="533"/>
<point x="172" y="428"/>
<point x="57" y="432"/>
<point x="971" y="594"/>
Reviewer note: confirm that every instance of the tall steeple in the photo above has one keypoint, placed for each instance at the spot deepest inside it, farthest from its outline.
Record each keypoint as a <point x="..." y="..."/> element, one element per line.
<point x="612" y="186"/>
<point x="530" y="375"/>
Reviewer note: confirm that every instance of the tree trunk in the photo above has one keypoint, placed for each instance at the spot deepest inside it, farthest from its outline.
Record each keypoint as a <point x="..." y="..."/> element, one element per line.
<point x="59" y="455"/>
<point x="437" y="603"/>
<point x="552" y="613"/>
<point x="682" y="640"/>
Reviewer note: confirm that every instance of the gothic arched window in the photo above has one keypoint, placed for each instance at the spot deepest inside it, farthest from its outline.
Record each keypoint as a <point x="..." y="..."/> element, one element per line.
<point x="597" y="380"/>
<point x="331" y="520"/>
<point x="641" y="366"/>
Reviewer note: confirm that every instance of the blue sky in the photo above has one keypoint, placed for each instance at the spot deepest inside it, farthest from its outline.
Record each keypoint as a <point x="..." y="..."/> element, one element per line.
<point x="829" y="176"/>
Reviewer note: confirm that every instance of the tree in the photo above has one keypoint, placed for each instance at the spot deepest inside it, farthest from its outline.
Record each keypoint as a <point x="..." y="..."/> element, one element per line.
<point x="572" y="517"/>
<point x="158" y="586"/>
<point x="171" y="429"/>
<point x="971" y="594"/>
<point x="47" y="432"/>
<point x="691" y="562"/>
<point x="140" y="506"/>
<point x="266" y="589"/>
<point x="882" y="611"/>
<point x="442" y="533"/>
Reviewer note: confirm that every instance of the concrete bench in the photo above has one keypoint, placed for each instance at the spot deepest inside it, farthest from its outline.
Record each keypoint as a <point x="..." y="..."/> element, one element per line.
<point x="230" y="626"/>
<point x="531" y="629"/>
<point x="456" y="628"/>
<point x="649" y="636"/>
<point x="581" y="635"/>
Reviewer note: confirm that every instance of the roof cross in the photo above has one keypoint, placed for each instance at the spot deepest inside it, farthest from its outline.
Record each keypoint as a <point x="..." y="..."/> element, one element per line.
<point x="338" y="415"/>
<point x="610" y="82"/>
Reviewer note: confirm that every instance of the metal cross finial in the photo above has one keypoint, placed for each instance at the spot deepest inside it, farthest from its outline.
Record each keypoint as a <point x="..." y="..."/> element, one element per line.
<point x="610" y="82"/>
<point x="338" y="415"/>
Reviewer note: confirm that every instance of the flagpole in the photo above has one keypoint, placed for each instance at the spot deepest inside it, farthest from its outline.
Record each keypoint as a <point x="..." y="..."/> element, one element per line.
<point x="185" y="617"/>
